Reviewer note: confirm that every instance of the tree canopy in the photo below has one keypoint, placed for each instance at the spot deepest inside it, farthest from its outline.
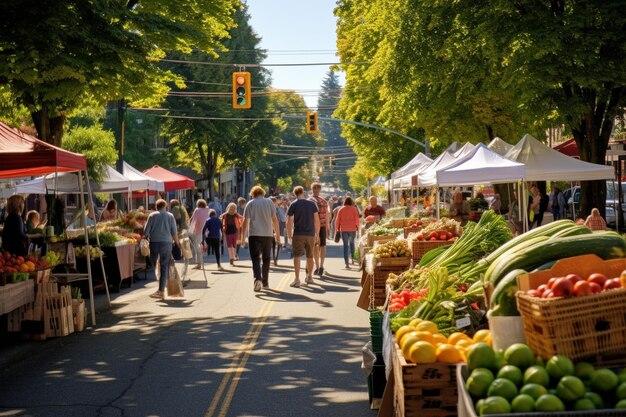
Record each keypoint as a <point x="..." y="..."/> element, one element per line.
<point x="56" y="54"/>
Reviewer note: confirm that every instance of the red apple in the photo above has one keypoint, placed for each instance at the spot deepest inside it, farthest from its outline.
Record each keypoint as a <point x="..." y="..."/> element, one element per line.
<point x="598" y="278"/>
<point x="542" y="288"/>
<point x="612" y="283"/>
<point x="547" y="294"/>
<point x="534" y="293"/>
<point x="562" y="287"/>
<point x="574" y="278"/>
<point x="582" y="288"/>
<point x="551" y="282"/>
<point x="595" y="288"/>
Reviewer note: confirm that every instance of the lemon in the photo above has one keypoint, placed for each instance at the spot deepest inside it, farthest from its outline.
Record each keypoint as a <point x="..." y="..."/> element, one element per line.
<point x="438" y="338"/>
<point x="464" y="343"/>
<point x="402" y="331"/>
<point x="456" y="337"/>
<point x="482" y="336"/>
<point x="408" y="341"/>
<point x="447" y="353"/>
<point x="427" y="326"/>
<point x="423" y="352"/>
<point x="424" y="336"/>
<point x="415" y="322"/>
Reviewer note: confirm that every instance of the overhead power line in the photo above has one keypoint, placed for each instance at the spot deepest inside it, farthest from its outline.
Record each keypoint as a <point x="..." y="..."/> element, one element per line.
<point x="293" y="64"/>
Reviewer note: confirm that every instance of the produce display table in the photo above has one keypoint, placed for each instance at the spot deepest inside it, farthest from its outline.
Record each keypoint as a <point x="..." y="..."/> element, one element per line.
<point x="15" y="295"/>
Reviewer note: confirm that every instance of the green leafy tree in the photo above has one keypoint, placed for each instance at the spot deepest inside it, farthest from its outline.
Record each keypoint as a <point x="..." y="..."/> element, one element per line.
<point x="290" y="140"/>
<point x="54" y="55"/>
<point x="96" y="144"/>
<point x="209" y="141"/>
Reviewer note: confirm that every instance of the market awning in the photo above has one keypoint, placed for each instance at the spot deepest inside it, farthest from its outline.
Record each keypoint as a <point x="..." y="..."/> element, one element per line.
<point x="141" y="181"/>
<point x="67" y="182"/>
<point x="22" y="155"/>
<point x="171" y="180"/>
<point x="569" y="148"/>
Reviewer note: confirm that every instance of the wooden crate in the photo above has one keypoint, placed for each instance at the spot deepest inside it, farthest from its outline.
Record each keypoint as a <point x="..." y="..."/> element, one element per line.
<point x="379" y="282"/>
<point x="408" y="230"/>
<point x="592" y="326"/>
<point x="78" y="314"/>
<point x="424" y="390"/>
<point x="380" y="239"/>
<point x="58" y="314"/>
<point x="398" y="223"/>
<point x="15" y="317"/>
<point x="396" y="262"/>
<point x="15" y="295"/>
<point x="420" y="247"/>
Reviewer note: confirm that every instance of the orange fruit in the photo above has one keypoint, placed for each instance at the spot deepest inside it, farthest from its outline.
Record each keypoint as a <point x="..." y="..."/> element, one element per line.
<point x="464" y="343"/>
<point x="438" y="338"/>
<point x="456" y="337"/>
<point x="427" y="326"/>
<point x="402" y="331"/>
<point x="422" y="352"/>
<point x="425" y="336"/>
<point x="447" y="353"/>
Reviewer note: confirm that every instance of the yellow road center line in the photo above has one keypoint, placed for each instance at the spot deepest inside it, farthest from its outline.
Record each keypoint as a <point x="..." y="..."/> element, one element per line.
<point x="240" y="358"/>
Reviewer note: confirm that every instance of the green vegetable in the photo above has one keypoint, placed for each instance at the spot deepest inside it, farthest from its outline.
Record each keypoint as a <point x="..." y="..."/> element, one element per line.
<point x="574" y="231"/>
<point x="502" y="302"/>
<point x="432" y="254"/>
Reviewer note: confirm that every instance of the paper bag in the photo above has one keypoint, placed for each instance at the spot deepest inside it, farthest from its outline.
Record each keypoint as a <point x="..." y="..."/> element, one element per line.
<point x="174" y="284"/>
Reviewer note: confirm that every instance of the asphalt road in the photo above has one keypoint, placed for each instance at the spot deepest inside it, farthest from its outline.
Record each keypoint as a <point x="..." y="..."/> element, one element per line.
<point x="222" y="350"/>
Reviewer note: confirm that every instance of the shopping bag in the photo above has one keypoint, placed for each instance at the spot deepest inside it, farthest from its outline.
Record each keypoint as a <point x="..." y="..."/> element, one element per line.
<point x="144" y="247"/>
<point x="337" y="236"/>
<point x="185" y="244"/>
<point x="176" y="252"/>
<point x="174" y="284"/>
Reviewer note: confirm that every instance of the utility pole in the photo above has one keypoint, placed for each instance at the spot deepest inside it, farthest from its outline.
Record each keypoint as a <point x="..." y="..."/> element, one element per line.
<point x="119" y="134"/>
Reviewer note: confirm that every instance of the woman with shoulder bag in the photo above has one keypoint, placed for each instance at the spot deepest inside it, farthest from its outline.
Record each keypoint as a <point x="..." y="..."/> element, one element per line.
<point x="347" y="223"/>
<point x="196" y="223"/>
<point x="231" y="227"/>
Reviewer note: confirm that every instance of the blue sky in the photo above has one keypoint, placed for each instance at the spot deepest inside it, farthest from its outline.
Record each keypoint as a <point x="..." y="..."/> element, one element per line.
<point x="304" y="28"/>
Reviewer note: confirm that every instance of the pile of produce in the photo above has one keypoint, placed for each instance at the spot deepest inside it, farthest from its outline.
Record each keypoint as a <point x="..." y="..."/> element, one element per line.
<point x="94" y="252"/>
<point x="400" y="300"/>
<point x="384" y="231"/>
<point x="392" y="249"/>
<point x="421" y="342"/>
<point x="442" y="229"/>
<point x="10" y="263"/>
<point x="416" y="223"/>
<point x="573" y="285"/>
<point x="515" y="381"/>
<point x="50" y="259"/>
<point x="540" y="248"/>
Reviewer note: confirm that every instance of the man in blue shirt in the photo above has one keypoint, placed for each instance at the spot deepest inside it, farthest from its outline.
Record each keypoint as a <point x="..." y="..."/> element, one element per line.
<point x="212" y="234"/>
<point x="160" y="230"/>
<point x="303" y="227"/>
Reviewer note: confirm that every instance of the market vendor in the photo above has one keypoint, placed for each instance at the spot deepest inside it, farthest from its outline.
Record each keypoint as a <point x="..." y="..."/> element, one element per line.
<point x="14" y="237"/>
<point x="374" y="209"/>
<point x="459" y="208"/>
<point x="110" y="211"/>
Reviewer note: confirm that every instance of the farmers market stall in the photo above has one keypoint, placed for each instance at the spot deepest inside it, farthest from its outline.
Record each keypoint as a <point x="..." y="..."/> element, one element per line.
<point x="171" y="180"/>
<point x="22" y="155"/>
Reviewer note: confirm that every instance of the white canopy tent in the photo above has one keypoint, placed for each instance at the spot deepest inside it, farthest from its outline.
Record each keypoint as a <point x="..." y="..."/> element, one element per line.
<point x="67" y="182"/>
<point x="545" y="164"/>
<point x="499" y="146"/>
<point x="428" y="178"/>
<point x="480" y="166"/>
<point x="141" y="181"/>
<point x="414" y="164"/>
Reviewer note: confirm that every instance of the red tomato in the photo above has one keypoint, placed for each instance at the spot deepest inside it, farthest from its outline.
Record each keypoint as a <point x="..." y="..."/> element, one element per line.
<point x="574" y="278"/>
<point x="542" y="288"/>
<point x="547" y="294"/>
<point x="433" y="235"/>
<point x="449" y="235"/>
<point x="562" y="287"/>
<point x="595" y="288"/>
<point x="443" y="236"/>
<point x="534" y="293"/>
<point x="612" y="283"/>
<point x="433" y="239"/>
<point x="551" y="282"/>
<point x="420" y="237"/>
<point x="582" y="288"/>
<point x="598" y="278"/>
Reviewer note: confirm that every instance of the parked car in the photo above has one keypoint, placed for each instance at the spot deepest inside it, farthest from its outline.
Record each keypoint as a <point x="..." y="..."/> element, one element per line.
<point x="572" y="195"/>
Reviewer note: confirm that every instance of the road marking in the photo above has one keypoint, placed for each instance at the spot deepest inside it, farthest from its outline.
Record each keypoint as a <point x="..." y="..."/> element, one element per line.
<point x="240" y="358"/>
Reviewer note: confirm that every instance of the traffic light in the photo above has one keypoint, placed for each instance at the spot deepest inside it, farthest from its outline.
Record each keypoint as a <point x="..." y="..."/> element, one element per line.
<point x="311" y="122"/>
<point x="242" y="90"/>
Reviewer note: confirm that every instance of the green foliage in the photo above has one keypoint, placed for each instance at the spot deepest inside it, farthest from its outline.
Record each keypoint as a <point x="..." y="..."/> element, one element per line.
<point x="54" y="55"/>
<point x="97" y="145"/>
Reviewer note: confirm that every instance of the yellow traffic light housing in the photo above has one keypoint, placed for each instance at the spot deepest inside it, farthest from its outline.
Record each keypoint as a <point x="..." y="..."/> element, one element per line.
<point x="242" y="90"/>
<point x="311" y="122"/>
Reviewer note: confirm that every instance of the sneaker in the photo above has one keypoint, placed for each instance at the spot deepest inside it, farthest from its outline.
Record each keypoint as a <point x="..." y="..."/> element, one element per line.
<point x="320" y="271"/>
<point x="316" y="272"/>
<point x="257" y="285"/>
<point x="266" y="286"/>
<point x="157" y="295"/>
<point x="309" y="279"/>
<point x="295" y="283"/>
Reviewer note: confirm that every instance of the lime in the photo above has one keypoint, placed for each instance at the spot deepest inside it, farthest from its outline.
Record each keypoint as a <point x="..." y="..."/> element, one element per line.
<point x="512" y="373"/>
<point x="523" y="404"/>
<point x="534" y="390"/>
<point x="559" y="366"/>
<point x="480" y="355"/>
<point x="622" y="375"/>
<point x="478" y="382"/>
<point x="583" y="370"/>
<point x="479" y="407"/>
<point x="595" y="398"/>
<point x="620" y="393"/>
<point x="549" y="402"/>
<point x="504" y="388"/>
<point x="499" y="359"/>
<point x="520" y="355"/>
<point x="536" y="375"/>
<point x="495" y="405"/>
<point x="570" y="388"/>
<point x="539" y="361"/>
<point x="584" y="404"/>
<point x="621" y="404"/>
<point x="603" y="380"/>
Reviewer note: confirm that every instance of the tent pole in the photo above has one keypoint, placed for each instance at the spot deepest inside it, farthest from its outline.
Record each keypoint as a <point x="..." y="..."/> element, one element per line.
<point x="437" y="201"/>
<point x="86" y="234"/>
<point x="104" y="275"/>
<point x="571" y="185"/>
<point x="525" y="206"/>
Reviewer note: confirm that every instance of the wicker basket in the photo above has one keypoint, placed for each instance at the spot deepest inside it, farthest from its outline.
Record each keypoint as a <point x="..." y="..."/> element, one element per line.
<point x="420" y="247"/>
<point x="408" y="230"/>
<point x="592" y="326"/>
<point x="380" y="239"/>
<point x="394" y="262"/>
<point x="397" y="223"/>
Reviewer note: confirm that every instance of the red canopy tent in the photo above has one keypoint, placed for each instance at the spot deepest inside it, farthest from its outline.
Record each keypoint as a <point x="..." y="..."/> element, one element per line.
<point x="22" y="155"/>
<point x="568" y="148"/>
<point x="171" y="180"/>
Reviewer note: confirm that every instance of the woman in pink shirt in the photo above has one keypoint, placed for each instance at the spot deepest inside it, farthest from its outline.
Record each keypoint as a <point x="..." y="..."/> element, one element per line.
<point x="196" y="223"/>
<point x="347" y="223"/>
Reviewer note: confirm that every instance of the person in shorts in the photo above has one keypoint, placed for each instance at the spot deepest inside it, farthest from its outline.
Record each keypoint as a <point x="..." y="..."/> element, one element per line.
<point x="319" y="251"/>
<point x="303" y="227"/>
